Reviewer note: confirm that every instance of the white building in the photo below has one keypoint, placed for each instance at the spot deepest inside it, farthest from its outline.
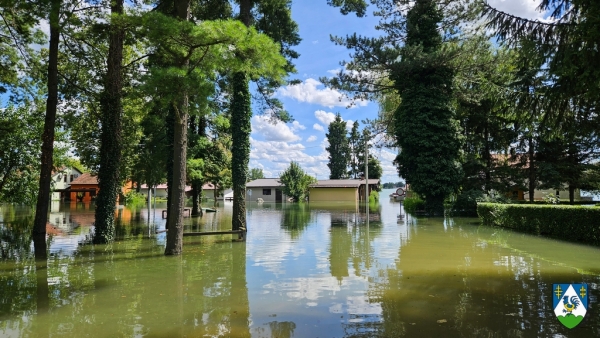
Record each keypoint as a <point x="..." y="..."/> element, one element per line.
<point x="61" y="180"/>
<point x="268" y="189"/>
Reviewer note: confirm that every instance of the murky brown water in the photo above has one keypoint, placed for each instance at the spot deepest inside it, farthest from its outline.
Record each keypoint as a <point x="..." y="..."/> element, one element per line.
<point x="305" y="271"/>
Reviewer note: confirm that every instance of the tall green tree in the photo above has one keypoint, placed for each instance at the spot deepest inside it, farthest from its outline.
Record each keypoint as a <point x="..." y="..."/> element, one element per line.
<point x="296" y="182"/>
<point x="339" y="148"/>
<point x="426" y="127"/>
<point x="273" y="18"/>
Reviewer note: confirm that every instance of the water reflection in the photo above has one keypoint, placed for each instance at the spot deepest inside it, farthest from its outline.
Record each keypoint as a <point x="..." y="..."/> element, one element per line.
<point x="306" y="270"/>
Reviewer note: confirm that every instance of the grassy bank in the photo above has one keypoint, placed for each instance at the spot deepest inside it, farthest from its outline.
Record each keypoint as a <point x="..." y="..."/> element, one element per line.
<point x="566" y="222"/>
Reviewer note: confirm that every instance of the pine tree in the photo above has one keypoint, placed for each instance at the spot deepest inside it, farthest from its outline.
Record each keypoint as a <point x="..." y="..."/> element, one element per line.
<point x="339" y="149"/>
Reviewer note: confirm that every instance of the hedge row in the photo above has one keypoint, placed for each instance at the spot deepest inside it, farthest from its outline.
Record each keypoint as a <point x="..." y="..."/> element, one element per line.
<point x="566" y="222"/>
<point x="562" y="202"/>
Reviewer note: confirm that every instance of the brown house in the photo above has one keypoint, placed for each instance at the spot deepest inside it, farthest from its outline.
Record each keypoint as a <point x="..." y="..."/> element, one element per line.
<point x="84" y="188"/>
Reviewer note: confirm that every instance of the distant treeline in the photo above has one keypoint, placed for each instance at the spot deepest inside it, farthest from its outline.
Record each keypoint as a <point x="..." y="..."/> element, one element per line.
<point x="391" y="185"/>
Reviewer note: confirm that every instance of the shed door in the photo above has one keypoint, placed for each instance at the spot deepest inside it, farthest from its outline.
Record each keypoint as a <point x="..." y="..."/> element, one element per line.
<point x="278" y="195"/>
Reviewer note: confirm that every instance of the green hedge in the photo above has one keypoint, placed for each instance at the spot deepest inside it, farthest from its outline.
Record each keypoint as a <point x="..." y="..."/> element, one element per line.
<point x="562" y="202"/>
<point x="566" y="222"/>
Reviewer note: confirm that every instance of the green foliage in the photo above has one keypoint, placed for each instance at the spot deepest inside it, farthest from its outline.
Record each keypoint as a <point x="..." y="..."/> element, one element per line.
<point x="465" y="203"/>
<point x="413" y="204"/>
<point x="296" y="182"/>
<point x="133" y="198"/>
<point x="373" y="197"/>
<point x="339" y="149"/>
<point x="255" y="173"/>
<point x="20" y="145"/>
<point x="375" y="169"/>
<point x="571" y="223"/>
<point x="564" y="52"/>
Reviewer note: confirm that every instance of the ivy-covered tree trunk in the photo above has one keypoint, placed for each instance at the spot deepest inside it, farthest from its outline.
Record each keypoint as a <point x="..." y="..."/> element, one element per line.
<point x="240" y="153"/>
<point x="180" y="124"/>
<point x="109" y="179"/>
<point x="41" y="211"/>
<point x="241" y="114"/>
<point x="170" y="135"/>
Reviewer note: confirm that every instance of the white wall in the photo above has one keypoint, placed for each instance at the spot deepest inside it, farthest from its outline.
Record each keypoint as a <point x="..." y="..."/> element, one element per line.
<point x="258" y="193"/>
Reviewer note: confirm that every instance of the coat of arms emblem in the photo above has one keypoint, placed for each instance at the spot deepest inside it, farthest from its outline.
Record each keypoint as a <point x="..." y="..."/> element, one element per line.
<point x="570" y="303"/>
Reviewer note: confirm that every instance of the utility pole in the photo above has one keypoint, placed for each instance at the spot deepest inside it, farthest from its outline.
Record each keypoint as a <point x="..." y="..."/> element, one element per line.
<point x="367" y="171"/>
<point x="367" y="177"/>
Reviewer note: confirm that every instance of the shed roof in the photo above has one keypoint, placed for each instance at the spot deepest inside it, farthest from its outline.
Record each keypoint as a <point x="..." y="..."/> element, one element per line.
<point x="264" y="182"/>
<point x="342" y="183"/>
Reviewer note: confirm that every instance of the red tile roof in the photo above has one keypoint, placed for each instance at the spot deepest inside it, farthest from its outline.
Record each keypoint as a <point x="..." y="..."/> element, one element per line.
<point x="86" y="178"/>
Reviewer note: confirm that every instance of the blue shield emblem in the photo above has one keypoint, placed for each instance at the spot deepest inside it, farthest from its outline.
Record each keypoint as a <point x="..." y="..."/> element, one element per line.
<point x="570" y="303"/>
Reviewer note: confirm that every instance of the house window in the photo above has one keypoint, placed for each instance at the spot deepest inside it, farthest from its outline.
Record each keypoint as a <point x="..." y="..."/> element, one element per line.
<point x="71" y="180"/>
<point x="65" y="179"/>
<point x="266" y="192"/>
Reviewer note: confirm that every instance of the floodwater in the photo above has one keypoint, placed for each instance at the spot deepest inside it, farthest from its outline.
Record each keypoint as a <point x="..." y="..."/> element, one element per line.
<point x="305" y="271"/>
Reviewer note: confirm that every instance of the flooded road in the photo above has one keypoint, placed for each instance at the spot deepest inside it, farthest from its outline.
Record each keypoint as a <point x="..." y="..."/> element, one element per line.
<point x="311" y="270"/>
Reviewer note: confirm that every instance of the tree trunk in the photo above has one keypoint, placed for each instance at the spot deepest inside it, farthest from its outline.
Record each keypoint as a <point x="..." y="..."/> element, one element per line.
<point x="170" y="135"/>
<point x="41" y="211"/>
<point x="571" y="194"/>
<point x="176" y="205"/>
<point x="488" y="160"/>
<point x="111" y="136"/>
<point x="215" y="194"/>
<point x="177" y="190"/>
<point x="196" y="198"/>
<point x="531" y="169"/>
<point x="240" y="151"/>
<point x="241" y="113"/>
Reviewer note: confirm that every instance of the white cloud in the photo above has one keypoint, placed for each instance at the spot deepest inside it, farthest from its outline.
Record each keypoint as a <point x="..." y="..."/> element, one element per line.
<point x="297" y="126"/>
<point x="275" y="157"/>
<point x="277" y="131"/>
<point x="324" y="117"/>
<point x="307" y="91"/>
<point x="318" y="127"/>
<point x="327" y="117"/>
<point x="521" y="8"/>
<point x="311" y="138"/>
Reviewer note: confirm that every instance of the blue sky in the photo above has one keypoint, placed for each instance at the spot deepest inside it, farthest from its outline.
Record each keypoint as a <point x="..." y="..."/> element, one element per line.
<point x="312" y="105"/>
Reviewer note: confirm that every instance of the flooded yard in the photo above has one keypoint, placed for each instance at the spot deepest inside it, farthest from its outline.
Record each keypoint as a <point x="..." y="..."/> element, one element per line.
<point x="308" y="270"/>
